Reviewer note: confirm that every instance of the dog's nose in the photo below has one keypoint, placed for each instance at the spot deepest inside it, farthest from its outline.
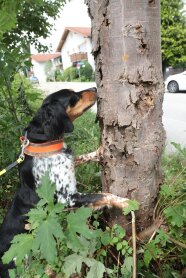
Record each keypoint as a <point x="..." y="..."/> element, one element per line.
<point x="93" y="89"/>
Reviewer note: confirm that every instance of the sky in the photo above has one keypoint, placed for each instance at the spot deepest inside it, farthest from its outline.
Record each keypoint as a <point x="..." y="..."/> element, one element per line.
<point x="74" y="14"/>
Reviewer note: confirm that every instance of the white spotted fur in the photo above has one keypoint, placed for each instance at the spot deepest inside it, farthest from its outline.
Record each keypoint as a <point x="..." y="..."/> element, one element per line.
<point x="61" y="172"/>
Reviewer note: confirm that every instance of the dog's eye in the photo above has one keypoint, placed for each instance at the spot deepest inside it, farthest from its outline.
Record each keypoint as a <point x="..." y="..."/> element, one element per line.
<point x="74" y="99"/>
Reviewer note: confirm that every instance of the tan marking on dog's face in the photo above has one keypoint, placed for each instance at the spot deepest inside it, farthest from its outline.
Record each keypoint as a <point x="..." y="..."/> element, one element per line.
<point x="87" y="99"/>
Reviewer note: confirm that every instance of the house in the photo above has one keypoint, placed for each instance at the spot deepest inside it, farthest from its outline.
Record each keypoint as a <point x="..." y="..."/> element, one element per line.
<point x="75" y="46"/>
<point x="45" y="64"/>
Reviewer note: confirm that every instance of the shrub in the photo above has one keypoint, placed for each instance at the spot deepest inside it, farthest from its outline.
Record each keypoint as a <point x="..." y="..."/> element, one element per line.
<point x="18" y="103"/>
<point x="69" y="74"/>
<point x="86" y="72"/>
<point x="72" y="73"/>
<point x="58" y="75"/>
<point x="49" y="71"/>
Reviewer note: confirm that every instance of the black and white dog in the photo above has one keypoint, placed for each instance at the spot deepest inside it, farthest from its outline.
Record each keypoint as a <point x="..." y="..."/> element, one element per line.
<point x="46" y="151"/>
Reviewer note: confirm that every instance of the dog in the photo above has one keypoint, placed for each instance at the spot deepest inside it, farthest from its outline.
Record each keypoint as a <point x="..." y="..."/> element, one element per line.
<point x="44" y="150"/>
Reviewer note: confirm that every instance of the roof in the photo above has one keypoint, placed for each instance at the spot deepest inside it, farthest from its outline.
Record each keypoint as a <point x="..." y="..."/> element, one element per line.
<point x="84" y="31"/>
<point x="43" y="57"/>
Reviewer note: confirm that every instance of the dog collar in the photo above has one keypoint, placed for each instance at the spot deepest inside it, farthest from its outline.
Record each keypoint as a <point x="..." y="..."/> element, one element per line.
<point x="43" y="149"/>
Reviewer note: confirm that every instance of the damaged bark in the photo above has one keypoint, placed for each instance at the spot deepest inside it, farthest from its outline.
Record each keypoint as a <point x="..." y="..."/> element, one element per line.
<point x="126" y="48"/>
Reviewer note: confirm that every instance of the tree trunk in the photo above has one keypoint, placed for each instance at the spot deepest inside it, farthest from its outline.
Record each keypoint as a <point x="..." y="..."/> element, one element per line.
<point x="126" y="48"/>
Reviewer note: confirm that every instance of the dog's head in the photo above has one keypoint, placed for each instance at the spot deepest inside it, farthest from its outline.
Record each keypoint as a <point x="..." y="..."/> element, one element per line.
<point x="57" y="113"/>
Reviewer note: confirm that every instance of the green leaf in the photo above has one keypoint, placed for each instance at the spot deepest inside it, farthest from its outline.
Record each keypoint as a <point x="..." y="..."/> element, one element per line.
<point x="96" y="270"/>
<point x="128" y="263"/>
<point x="119" y="246"/>
<point x="12" y="273"/>
<point x="77" y="223"/>
<point x="45" y="239"/>
<point x="46" y="190"/>
<point x="133" y="205"/>
<point x="73" y="264"/>
<point x="21" y="246"/>
<point x="115" y="240"/>
<point x="56" y="209"/>
<point x="36" y="216"/>
<point x="161" y="237"/>
<point x="105" y="238"/>
<point x="73" y="242"/>
<point x="176" y="215"/>
<point x="147" y="257"/>
<point x="166" y="190"/>
<point x="152" y="252"/>
<point x="119" y="231"/>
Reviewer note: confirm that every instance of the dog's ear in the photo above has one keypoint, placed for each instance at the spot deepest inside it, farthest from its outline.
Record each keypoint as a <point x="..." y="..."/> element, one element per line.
<point x="55" y="120"/>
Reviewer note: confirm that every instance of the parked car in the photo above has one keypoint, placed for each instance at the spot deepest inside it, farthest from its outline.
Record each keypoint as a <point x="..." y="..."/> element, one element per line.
<point x="33" y="79"/>
<point x="176" y="82"/>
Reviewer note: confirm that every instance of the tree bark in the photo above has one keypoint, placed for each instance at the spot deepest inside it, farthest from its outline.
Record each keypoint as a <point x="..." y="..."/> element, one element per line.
<point x="126" y="48"/>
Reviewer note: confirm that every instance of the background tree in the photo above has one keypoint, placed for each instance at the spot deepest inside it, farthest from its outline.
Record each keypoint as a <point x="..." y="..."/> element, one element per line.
<point x="21" y="23"/>
<point x="24" y="22"/>
<point x="173" y="32"/>
<point x="126" y="47"/>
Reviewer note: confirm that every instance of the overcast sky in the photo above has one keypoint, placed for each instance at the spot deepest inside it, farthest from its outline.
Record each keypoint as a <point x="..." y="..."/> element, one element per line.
<point x="74" y="14"/>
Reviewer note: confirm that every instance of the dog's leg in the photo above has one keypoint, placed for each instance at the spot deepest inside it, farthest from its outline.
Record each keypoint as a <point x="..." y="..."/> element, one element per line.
<point x="99" y="200"/>
<point x="14" y="222"/>
<point x="89" y="157"/>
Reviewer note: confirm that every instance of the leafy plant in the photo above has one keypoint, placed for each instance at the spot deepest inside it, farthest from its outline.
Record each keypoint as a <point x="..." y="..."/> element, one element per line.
<point x="86" y="72"/>
<point x="164" y="254"/>
<point x="69" y="74"/>
<point x="25" y="100"/>
<point x="58" y="239"/>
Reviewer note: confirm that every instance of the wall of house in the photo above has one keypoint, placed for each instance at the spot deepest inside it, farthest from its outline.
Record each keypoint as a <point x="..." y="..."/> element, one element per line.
<point x="90" y="56"/>
<point x="76" y="43"/>
<point x="39" y="70"/>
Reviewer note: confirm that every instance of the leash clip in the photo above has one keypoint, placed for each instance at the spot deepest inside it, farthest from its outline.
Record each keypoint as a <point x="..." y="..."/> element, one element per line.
<point x="25" y="142"/>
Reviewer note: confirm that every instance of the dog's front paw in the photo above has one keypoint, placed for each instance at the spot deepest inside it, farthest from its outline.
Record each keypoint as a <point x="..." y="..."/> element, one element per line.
<point x="115" y="201"/>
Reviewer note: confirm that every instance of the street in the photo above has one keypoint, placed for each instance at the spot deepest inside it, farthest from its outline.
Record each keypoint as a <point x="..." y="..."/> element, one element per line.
<point x="174" y="119"/>
<point x="174" y="110"/>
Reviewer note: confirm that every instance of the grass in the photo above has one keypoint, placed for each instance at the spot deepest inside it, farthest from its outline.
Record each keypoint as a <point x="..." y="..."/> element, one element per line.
<point x="85" y="139"/>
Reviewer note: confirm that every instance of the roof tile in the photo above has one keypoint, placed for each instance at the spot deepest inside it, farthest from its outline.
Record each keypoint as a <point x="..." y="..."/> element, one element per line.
<point x="43" y="57"/>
